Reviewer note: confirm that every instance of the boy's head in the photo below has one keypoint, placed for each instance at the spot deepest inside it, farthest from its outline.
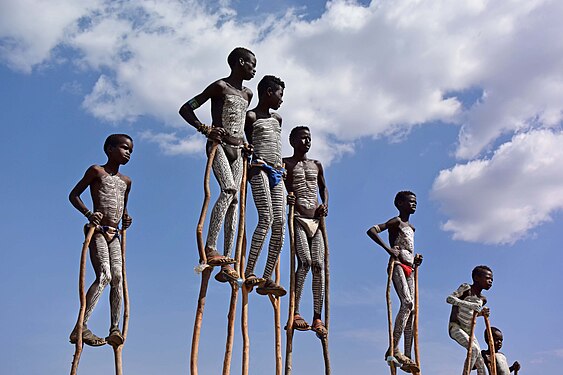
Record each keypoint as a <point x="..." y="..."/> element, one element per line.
<point x="244" y="59"/>
<point x="405" y="201"/>
<point x="120" y="142"/>
<point x="497" y="338"/>
<point x="483" y="277"/>
<point x="300" y="138"/>
<point x="270" y="89"/>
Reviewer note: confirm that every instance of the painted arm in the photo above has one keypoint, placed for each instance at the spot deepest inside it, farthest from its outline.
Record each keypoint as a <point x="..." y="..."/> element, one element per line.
<point x="214" y="90"/>
<point x="454" y="299"/>
<point x="74" y="197"/>
<point x="374" y="231"/>
<point x="126" y="220"/>
<point x="322" y="210"/>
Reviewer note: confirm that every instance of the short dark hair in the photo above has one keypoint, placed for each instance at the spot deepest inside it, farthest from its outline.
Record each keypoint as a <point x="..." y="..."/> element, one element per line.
<point x="402" y="196"/>
<point x="479" y="270"/>
<point x="113" y="140"/>
<point x="269" y="82"/>
<point x="296" y="130"/>
<point x="238" y="53"/>
<point x="493" y="330"/>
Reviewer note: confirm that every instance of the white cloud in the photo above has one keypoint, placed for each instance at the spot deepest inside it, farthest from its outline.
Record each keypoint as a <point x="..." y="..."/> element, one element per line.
<point x="355" y="71"/>
<point x="171" y="144"/>
<point x="498" y="200"/>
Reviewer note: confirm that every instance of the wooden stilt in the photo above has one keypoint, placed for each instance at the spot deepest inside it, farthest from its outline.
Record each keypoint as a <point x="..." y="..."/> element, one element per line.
<point x="202" y="260"/>
<point x="289" y="326"/>
<point x="117" y="350"/>
<point x="235" y="286"/>
<point x="81" y="281"/>
<point x="244" y="318"/>
<point x="277" y="323"/>
<point x="324" y="340"/>
<point x="391" y="353"/>
<point x="415" y="328"/>
<point x="491" y="341"/>
<point x="467" y="366"/>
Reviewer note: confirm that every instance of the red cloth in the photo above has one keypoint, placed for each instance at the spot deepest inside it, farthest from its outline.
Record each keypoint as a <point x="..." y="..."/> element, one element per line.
<point x="407" y="269"/>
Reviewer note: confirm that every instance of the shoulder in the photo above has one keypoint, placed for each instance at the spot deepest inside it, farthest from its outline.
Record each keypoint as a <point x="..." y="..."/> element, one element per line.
<point x="95" y="170"/>
<point x="247" y="92"/>
<point x="463" y="288"/>
<point x="394" y="222"/>
<point x="125" y="179"/>
<point x="250" y="116"/>
<point x="277" y="117"/>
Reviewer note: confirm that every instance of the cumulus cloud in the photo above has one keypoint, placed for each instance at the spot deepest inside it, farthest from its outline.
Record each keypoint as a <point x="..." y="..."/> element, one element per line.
<point x="497" y="200"/>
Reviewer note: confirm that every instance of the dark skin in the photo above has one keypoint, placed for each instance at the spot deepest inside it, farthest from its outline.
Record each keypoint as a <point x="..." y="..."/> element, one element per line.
<point x="117" y="155"/>
<point x="244" y="69"/>
<point x="481" y="281"/>
<point x="406" y="208"/>
<point x="301" y="144"/>
<point x="270" y="99"/>
<point x="497" y="338"/>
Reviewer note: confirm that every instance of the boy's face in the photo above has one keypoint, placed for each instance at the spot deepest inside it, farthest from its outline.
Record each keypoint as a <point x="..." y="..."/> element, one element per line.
<point x="408" y="204"/>
<point x="122" y="151"/>
<point x="302" y="141"/>
<point x="275" y="97"/>
<point x="497" y="339"/>
<point x="484" y="279"/>
<point x="248" y="66"/>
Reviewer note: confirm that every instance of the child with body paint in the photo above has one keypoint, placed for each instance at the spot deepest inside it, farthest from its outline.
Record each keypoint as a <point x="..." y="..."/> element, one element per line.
<point x="501" y="361"/>
<point x="263" y="132"/>
<point x="465" y="300"/>
<point x="229" y="101"/>
<point x="401" y="251"/>
<point x="109" y="190"/>
<point x="305" y="179"/>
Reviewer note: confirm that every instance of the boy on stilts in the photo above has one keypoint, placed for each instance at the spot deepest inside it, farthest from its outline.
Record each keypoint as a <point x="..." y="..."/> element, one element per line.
<point x="466" y="300"/>
<point x="305" y="178"/>
<point x="109" y="190"/>
<point x="401" y="251"/>
<point x="263" y="132"/>
<point x="229" y="101"/>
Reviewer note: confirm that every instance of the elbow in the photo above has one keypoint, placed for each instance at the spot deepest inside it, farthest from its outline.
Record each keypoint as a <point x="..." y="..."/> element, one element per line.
<point x="450" y="300"/>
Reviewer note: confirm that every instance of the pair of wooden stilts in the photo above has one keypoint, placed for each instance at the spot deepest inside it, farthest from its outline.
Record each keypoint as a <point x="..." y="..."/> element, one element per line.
<point x="291" y="313"/>
<point x="239" y="267"/>
<point x="392" y="363"/>
<point x="117" y="349"/>
<point x="493" y="363"/>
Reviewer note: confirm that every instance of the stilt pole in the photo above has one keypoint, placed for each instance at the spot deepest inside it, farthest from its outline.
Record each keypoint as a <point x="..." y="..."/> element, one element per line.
<point x="467" y="366"/>
<point x="416" y="312"/>
<point x="277" y="323"/>
<point x="117" y="350"/>
<point x="81" y="281"/>
<point x="289" y="326"/>
<point x="235" y="286"/>
<point x="390" y="361"/>
<point x="324" y="340"/>
<point x="491" y="341"/>
<point x="202" y="260"/>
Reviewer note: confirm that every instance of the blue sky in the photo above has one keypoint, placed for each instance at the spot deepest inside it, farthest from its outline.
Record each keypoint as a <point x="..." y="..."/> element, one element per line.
<point x="459" y="102"/>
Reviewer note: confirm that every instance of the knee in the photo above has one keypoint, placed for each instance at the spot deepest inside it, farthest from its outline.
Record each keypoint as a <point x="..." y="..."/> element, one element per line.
<point x="105" y="278"/>
<point x="318" y="267"/>
<point x="305" y="264"/>
<point x="230" y="193"/>
<point x="407" y="305"/>
<point x="116" y="278"/>
<point x="265" y="218"/>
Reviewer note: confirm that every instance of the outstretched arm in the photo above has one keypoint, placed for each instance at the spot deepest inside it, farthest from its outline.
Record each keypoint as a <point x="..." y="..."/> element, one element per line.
<point x="374" y="231"/>
<point x="456" y="298"/>
<point x="74" y="197"/>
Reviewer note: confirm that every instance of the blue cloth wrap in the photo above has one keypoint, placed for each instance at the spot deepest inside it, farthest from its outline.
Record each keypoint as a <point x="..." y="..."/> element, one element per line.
<point x="274" y="175"/>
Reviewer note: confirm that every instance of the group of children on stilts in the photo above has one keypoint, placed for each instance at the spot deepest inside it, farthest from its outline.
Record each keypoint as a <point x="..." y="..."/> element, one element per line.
<point x="259" y="161"/>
